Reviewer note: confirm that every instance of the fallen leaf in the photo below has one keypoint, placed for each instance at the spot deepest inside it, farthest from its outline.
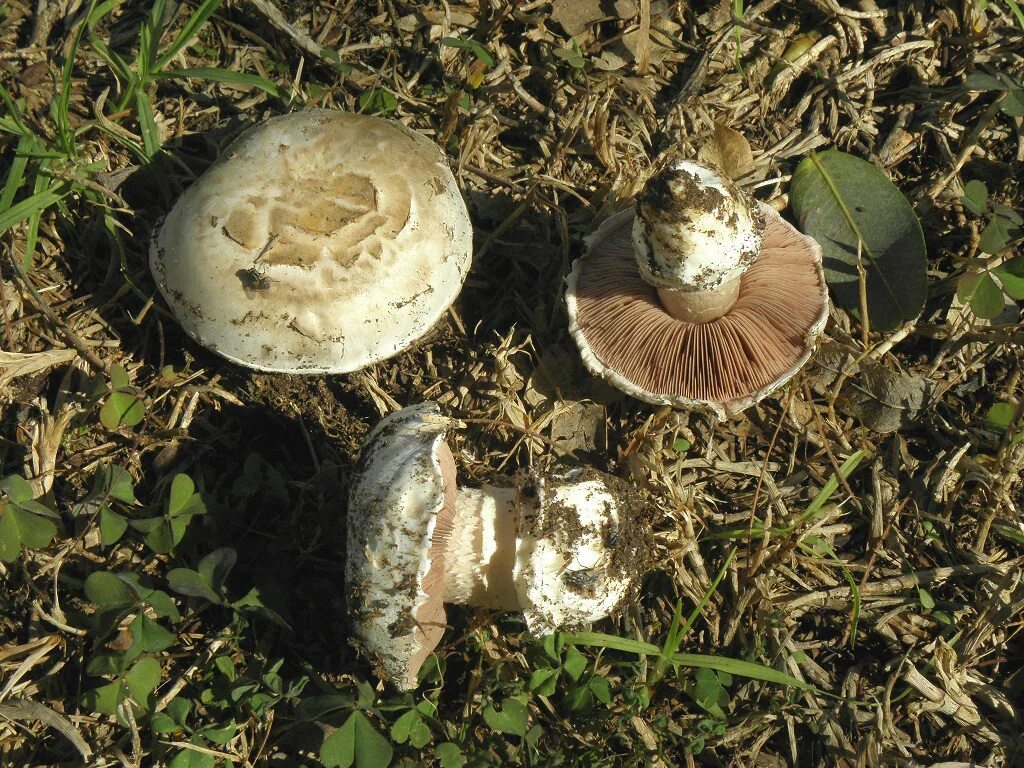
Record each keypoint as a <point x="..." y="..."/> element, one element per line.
<point x="729" y="151"/>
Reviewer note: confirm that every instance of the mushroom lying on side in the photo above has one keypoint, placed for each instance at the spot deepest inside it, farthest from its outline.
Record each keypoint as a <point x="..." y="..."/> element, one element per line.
<point x="323" y="241"/>
<point x="698" y="298"/>
<point x="566" y="549"/>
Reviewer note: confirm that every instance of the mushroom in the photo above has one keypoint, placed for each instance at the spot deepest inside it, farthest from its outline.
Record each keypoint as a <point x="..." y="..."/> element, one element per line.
<point x="700" y="297"/>
<point x="323" y="241"/>
<point x="565" y="548"/>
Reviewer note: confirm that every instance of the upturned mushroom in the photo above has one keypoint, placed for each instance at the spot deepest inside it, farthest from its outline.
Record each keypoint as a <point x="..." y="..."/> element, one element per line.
<point x="565" y="548"/>
<point x="700" y="297"/>
<point x="323" y="241"/>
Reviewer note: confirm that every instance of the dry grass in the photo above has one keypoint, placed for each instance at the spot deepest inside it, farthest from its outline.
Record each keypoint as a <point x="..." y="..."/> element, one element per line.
<point x="899" y="598"/>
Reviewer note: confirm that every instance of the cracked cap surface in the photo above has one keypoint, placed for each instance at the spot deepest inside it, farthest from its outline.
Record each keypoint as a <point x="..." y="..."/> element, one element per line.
<point x="322" y="242"/>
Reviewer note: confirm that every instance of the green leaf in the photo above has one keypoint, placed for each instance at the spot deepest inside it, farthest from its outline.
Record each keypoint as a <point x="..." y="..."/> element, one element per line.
<point x="1000" y="416"/>
<point x="112" y="526"/>
<point x="116" y="482"/>
<point x="419" y="734"/>
<point x="1013" y="104"/>
<point x="680" y="445"/>
<point x="356" y="743"/>
<point x="553" y="646"/>
<point x="601" y="689"/>
<point x="975" y="196"/>
<point x="122" y="407"/>
<point x="106" y="663"/>
<point x="20" y="527"/>
<point x="226" y="667"/>
<point x="182" y="489"/>
<point x="579" y="699"/>
<point x="511" y="718"/>
<point x="104" y="699"/>
<point x="178" y="709"/>
<point x="839" y="200"/>
<point x="163" y="723"/>
<point x="160" y="538"/>
<point x="185" y="581"/>
<point x="216" y="566"/>
<point x="708" y="692"/>
<point x="184" y="501"/>
<point x="980" y="291"/>
<point x="980" y="81"/>
<point x="190" y="758"/>
<point x="377" y="102"/>
<point x="544" y="681"/>
<point x="220" y="735"/>
<point x="403" y="725"/>
<point x="998" y="234"/>
<point x="150" y="636"/>
<point x="142" y="679"/>
<point x="449" y="756"/>
<point x="927" y="601"/>
<point x="106" y="589"/>
<point x="575" y="663"/>
<point x="17" y="488"/>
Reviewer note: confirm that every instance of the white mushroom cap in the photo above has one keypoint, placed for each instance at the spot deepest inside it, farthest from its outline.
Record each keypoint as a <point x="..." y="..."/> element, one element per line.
<point x="572" y="565"/>
<point x="694" y="229"/>
<point x="394" y="502"/>
<point x="322" y="242"/>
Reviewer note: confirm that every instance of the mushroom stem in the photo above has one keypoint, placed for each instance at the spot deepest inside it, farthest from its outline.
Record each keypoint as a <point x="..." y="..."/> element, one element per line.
<point x="700" y="306"/>
<point x="481" y="550"/>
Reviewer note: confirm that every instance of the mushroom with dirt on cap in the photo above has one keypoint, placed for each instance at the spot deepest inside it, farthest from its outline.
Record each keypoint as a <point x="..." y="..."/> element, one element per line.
<point x="323" y="241"/>
<point x="700" y="297"/>
<point x="565" y="548"/>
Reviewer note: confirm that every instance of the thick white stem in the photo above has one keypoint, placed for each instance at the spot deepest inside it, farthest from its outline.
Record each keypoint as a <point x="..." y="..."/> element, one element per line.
<point x="700" y="306"/>
<point x="481" y="550"/>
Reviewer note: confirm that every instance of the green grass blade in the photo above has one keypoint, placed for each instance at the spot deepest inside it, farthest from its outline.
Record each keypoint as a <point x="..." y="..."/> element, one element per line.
<point x="599" y="640"/>
<point x="147" y="123"/>
<point x="149" y="40"/>
<point x="37" y="203"/>
<point x="60" y="106"/>
<point x="1016" y="12"/>
<point x="16" y="175"/>
<point x="227" y="77"/>
<point x="13" y="114"/>
<point x="189" y="31"/>
<point x="739" y="668"/>
<point x="746" y="669"/>
<point x="846" y="469"/>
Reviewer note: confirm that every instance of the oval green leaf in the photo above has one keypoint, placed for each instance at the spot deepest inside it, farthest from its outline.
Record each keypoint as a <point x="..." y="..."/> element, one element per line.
<point x="839" y="200"/>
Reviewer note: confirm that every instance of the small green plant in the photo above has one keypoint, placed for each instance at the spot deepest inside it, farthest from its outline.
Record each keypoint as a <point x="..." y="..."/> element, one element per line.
<point x="24" y="522"/>
<point x="164" y="533"/>
<point x="572" y="55"/>
<point x="110" y="484"/>
<point x="483" y="59"/>
<point x="377" y="101"/>
<point x="123" y="404"/>
<point x="564" y="668"/>
<point x="983" y="289"/>
<point x="353" y="740"/>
